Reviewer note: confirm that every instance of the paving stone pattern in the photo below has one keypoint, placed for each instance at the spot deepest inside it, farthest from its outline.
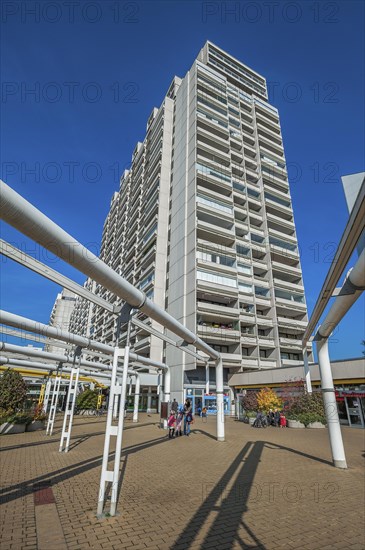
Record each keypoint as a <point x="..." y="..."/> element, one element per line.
<point x="271" y="489"/>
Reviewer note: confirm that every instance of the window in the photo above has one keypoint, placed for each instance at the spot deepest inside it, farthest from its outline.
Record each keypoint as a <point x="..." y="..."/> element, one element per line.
<point x="244" y="268"/>
<point x="246" y="289"/>
<point x="216" y="258"/>
<point x="262" y="291"/>
<point x="224" y="207"/>
<point x="215" y="278"/>
<point x="299" y="298"/>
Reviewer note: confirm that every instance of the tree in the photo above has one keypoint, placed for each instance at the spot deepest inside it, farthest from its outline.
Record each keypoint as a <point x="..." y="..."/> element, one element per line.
<point x="290" y="391"/>
<point x="13" y="391"/>
<point x="87" y="399"/>
<point x="267" y="399"/>
<point x="249" y="401"/>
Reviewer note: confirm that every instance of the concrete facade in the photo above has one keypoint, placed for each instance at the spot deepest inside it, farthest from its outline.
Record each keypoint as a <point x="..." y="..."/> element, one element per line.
<point x="203" y="223"/>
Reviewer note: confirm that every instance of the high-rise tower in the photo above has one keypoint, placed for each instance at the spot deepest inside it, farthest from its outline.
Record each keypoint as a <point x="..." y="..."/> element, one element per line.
<point x="203" y="223"/>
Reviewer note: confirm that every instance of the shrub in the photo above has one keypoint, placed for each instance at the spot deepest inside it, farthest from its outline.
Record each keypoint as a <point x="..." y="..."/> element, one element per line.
<point x="308" y="403"/>
<point x="249" y="401"/>
<point x="307" y="418"/>
<point x="19" y="418"/>
<point x="13" y="391"/>
<point x="39" y="414"/>
<point x="267" y="399"/>
<point x="87" y="399"/>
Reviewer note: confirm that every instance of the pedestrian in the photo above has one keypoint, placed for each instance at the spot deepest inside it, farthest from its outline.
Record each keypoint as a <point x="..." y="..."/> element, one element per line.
<point x="276" y="418"/>
<point x="188" y="417"/>
<point x="204" y="414"/>
<point x="282" y="420"/>
<point x="174" y="406"/>
<point x="179" y="419"/>
<point x="172" y="424"/>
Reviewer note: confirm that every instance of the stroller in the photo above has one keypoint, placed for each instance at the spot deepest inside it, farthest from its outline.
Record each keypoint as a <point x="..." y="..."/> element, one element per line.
<point x="260" y="421"/>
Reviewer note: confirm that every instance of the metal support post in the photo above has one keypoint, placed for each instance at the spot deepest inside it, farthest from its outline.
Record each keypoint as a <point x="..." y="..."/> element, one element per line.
<point x="112" y="476"/>
<point x="54" y="401"/>
<point x="158" y="393"/>
<point x="70" y="403"/>
<point x="136" y="398"/>
<point x="330" y="405"/>
<point x="46" y="394"/>
<point x="206" y="379"/>
<point x="308" y="383"/>
<point x="220" y="400"/>
<point x="116" y="403"/>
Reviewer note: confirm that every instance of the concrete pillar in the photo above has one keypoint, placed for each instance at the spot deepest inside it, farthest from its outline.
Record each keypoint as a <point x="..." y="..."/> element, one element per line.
<point x="136" y="399"/>
<point x="149" y="399"/>
<point x="330" y="405"/>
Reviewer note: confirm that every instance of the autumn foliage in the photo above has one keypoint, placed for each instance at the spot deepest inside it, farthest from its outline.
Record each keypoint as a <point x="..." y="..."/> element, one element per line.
<point x="267" y="399"/>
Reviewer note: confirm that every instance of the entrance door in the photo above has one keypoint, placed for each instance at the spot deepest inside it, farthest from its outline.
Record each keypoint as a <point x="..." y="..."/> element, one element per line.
<point x="355" y="412"/>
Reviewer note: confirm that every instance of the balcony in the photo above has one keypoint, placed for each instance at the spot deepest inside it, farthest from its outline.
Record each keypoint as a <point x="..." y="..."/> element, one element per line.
<point x="271" y="145"/>
<point x="290" y="343"/>
<point x="293" y="270"/>
<point x="263" y="321"/>
<point x="289" y="240"/>
<point x="231" y="359"/>
<point x="209" y="153"/>
<point x="220" y="269"/>
<point x="216" y="288"/>
<point x="294" y="324"/>
<point x="289" y="224"/>
<point x="248" y="318"/>
<point x="206" y="138"/>
<point x="247" y="340"/>
<point x="296" y="287"/>
<point x="291" y="362"/>
<point x="266" y="341"/>
<point x="218" y="333"/>
<point x="215" y="234"/>
<point x="267" y="363"/>
<point x="217" y="309"/>
<point x="143" y="345"/>
<point x="248" y="362"/>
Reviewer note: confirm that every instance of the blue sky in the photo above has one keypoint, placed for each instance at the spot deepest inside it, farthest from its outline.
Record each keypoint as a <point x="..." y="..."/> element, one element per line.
<point x="80" y="80"/>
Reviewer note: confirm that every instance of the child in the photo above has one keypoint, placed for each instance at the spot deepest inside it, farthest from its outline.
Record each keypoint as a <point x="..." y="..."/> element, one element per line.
<point x="171" y="424"/>
<point x="282" y="420"/>
<point x="179" y="420"/>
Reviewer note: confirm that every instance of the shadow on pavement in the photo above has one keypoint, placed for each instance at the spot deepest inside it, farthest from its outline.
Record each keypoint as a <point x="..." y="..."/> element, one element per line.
<point x="229" y="505"/>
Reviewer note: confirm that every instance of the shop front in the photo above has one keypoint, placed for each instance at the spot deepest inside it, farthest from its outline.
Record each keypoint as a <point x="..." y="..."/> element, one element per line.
<point x="199" y="400"/>
<point x="351" y="407"/>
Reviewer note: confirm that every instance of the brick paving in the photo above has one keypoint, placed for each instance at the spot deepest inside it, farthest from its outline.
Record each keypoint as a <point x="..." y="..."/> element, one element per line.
<point x="268" y="488"/>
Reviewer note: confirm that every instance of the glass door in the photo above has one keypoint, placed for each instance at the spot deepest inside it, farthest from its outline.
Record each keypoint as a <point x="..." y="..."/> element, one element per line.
<point x="355" y="412"/>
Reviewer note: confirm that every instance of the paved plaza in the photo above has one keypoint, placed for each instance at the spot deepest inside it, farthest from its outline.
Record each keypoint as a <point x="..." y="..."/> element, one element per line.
<point x="261" y="488"/>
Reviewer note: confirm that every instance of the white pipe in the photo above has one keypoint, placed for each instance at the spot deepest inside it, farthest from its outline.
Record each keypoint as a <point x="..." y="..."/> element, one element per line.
<point x="206" y="379"/>
<point x="22" y="215"/>
<point x="330" y="405"/>
<point x="220" y="400"/>
<point x="106" y="371"/>
<point x="307" y="376"/>
<point x="351" y="290"/>
<point x="136" y="397"/>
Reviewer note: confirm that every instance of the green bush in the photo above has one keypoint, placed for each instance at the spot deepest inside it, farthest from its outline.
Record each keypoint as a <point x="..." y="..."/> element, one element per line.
<point x="87" y="399"/>
<point x="308" y="418"/>
<point x="19" y="418"/>
<point x="307" y="404"/>
<point x="13" y="391"/>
